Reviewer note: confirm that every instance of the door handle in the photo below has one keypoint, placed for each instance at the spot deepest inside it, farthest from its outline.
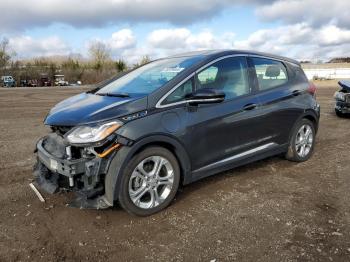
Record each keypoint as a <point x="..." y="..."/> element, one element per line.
<point x="250" y="107"/>
<point x="296" y="92"/>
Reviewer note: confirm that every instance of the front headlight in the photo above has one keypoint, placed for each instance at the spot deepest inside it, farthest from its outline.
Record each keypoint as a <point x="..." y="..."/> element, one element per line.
<point x="339" y="96"/>
<point x="92" y="134"/>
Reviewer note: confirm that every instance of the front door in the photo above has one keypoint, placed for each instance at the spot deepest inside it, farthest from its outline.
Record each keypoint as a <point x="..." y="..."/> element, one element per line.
<point x="224" y="132"/>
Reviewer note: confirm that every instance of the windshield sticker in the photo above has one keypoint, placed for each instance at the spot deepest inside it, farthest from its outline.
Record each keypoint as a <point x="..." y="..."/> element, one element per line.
<point x="172" y="69"/>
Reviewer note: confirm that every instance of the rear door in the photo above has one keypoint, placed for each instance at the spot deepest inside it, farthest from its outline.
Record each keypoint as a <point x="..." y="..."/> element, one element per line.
<point x="278" y="95"/>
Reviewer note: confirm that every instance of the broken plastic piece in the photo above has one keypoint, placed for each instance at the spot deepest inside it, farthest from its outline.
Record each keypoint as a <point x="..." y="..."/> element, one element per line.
<point x="84" y="203"/>
<point x="45" y="180"/>
<point x="109" y="150"/>
<point x="36" y="191"/>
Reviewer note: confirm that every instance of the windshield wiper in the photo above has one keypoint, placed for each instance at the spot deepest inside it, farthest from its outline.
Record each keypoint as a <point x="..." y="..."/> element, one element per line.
<point x="114" y="94"/>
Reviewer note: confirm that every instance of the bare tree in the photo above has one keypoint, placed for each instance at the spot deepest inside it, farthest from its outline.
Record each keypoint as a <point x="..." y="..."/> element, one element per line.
<point x="120" y="65"/>
<point x="146" y="59"/>
<point x="100" y="54"/>
<point x="73" y="69"/>
<point x="5" y="55"/>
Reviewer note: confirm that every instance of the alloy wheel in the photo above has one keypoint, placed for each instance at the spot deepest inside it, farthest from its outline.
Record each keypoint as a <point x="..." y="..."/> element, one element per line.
<point x="151" y="182"/>
<point x="304" y="141"/>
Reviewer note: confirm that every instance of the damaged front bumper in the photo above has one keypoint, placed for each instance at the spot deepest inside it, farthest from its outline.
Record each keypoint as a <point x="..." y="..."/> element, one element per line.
<point x="343" y="107"/>
<point x="56" y="169"/>
<point x="342" y="104"/>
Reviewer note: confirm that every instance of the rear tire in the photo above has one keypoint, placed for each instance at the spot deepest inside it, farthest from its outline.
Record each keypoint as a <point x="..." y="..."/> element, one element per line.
<point x="302" y="141"/>
<point x="149" y="181"/>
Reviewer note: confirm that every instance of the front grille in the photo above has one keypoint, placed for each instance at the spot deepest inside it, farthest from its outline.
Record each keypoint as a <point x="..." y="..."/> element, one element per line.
<point x="55" y="144"/>
<point x="61" y="130"/>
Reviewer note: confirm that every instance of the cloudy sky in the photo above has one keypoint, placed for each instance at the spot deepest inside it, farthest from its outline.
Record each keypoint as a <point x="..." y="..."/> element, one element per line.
<point x="301" y="29"/>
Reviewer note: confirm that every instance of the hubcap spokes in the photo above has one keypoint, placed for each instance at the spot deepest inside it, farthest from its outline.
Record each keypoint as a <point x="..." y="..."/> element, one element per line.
<point x="304" y="141"/>
<point x="151" y="182"/>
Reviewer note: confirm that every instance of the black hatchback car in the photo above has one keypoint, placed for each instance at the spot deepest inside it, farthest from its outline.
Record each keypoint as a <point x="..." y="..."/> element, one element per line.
<point x="138" y="137"/>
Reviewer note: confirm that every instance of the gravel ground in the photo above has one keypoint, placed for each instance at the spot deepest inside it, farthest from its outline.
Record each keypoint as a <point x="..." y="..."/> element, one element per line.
<point x="272" y="210"/>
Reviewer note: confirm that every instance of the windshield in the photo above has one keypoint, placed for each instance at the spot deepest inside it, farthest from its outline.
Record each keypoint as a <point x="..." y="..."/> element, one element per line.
<point x="147" y="78"/>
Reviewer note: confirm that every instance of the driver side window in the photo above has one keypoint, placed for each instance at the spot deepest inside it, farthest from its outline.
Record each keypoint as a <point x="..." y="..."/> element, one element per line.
<point x="180" y="93"/>
<point x="228" y="75"/>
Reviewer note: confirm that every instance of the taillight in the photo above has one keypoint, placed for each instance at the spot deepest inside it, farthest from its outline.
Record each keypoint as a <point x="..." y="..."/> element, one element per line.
<point x="312" y="89"/>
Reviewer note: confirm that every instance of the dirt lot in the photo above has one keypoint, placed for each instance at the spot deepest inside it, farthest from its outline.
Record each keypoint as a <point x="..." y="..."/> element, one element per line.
<point x="273" y="210"/>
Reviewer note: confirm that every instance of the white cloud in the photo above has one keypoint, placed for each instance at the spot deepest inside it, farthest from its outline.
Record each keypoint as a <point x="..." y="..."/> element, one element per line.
<point x="169" y="38"/>
<point x="82" y="13"/>
<point x="122" y="39"/>
<point x="311" y="28"/>
<point x="183" y="39"/>
<point x="163" y="42"/>
<point x="332" y="35"/>
<point x="26" y="46"/>
<point x="314" y="12"/>
<point x="300" y="41"/>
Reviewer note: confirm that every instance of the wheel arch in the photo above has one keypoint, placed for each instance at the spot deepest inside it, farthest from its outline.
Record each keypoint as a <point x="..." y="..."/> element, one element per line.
<point x="309" y="115"/>
<point x="174" y="146"/>
<point x="312" y="116"/>
<point x="124" y="155"/>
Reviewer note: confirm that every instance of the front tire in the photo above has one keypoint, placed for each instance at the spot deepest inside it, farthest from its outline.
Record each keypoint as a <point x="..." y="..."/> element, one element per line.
<point x="302" y="142"/>
<point x="149" y="181"/>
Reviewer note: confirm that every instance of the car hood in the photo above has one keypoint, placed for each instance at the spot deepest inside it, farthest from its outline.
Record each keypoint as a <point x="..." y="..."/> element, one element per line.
<point x="88" y="108"/>
<point x="345" y="85"/>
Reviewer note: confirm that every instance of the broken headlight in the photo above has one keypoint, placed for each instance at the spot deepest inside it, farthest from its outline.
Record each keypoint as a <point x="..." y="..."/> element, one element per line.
<point x="92" y="133"/>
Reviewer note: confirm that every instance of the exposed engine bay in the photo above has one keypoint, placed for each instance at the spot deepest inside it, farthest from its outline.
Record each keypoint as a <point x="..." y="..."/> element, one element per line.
<point x="82" y="169"/>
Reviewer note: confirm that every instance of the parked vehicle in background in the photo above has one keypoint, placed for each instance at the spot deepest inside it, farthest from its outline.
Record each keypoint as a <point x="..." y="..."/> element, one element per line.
<point x="342" y="99"/>
<point x="8" y="81"/>
<point x="59" y="81"/>
<point x="32" y="83"/>
<point x="45" y="80"/>
<point x="23" y="82"/>
<point x="28" y="82"/>
<point x="136" y="138"/>
<point x="78" y="83"/>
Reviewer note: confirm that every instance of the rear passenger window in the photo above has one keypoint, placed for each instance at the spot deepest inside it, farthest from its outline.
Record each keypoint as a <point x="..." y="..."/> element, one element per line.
<point x="270" y="73"/>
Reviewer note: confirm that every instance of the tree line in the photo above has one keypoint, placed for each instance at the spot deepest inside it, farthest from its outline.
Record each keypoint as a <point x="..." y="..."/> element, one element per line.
<point x="98" y="67"/>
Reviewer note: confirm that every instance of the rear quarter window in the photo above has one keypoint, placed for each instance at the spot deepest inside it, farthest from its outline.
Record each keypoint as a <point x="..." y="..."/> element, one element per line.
<point x="270" y="73"/>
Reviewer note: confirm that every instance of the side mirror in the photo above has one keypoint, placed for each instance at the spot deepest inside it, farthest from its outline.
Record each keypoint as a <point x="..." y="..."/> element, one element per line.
<point x="206" y="96"/>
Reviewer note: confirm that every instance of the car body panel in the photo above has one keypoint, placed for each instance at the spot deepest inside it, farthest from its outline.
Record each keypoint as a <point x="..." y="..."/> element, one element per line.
<point x="281" y="106"/>
<point x="205" y="138"/>
<point x="345" y="85"/>
<point x="220" y="130"/>
<point x="87" y="108"/>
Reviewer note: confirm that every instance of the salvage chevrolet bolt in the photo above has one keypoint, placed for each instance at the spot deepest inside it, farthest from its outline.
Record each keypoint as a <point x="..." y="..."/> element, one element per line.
<point x="342" y="98"/>
<point x="138" y="137"/>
